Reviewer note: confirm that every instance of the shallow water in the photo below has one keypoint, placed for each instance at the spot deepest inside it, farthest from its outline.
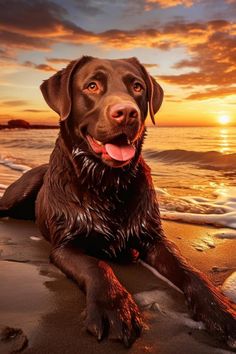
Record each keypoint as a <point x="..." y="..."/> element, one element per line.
<point x="193" y="169"/>
<point x="220" y="211"/>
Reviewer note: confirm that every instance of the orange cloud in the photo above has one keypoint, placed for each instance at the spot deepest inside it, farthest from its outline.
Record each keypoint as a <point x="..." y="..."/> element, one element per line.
<point x="33" y="110"/>
<point x="203" y="77"/>
<point x="43" y="67"/>
<point x="58" y="60"/>
<point x="172" y="98"/>
<point x="37" y="32"/>
<point x="170" y="3"/>
<point x="213" y="60"/>
<point x="210" y="45"/>
<point x="149" y="66"/>
<point x="17" y="33"/>
<point x="13" y="103"/>
<point x="213" y="93"/>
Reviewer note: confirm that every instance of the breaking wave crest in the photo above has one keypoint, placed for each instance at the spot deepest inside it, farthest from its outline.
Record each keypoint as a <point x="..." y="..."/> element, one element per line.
<point x="220" y="212"/>
<point x="16" y="166"/>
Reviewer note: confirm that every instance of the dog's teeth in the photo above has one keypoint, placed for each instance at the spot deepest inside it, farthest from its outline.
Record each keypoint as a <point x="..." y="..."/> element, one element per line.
<point x="130" y="142"/>
<point x="98" y="142"/>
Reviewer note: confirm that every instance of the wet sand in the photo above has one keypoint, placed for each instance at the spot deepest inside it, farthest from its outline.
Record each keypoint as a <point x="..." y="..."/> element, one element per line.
<point x="46" y="307"/>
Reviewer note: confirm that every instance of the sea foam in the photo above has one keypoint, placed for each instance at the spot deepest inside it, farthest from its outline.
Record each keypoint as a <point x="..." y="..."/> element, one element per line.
<point x="3" y="186"/>
<point x="229" y="287"/>
<point x="220" y="212"/>
<point x="14" y="165"/>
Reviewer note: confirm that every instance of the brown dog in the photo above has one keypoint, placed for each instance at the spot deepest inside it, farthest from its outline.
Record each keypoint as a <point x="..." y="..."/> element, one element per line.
<point x="95" y="200"/>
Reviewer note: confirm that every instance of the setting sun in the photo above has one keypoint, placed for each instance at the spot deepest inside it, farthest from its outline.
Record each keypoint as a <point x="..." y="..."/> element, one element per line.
<point x="224" y="119"/>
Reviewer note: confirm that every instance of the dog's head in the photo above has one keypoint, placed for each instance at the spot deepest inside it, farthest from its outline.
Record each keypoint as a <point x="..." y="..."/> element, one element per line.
<point x="104" y="104"/>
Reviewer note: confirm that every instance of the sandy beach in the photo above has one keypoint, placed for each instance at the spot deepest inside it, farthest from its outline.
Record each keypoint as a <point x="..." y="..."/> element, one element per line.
<point x="43" y="309"/>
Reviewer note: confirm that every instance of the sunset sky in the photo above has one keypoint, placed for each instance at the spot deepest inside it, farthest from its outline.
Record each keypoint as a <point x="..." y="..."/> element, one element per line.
<point x="188" y="45"/>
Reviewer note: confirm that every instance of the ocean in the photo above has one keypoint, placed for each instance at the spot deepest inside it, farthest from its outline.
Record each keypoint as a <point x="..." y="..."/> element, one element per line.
<point x="193" y="169"/>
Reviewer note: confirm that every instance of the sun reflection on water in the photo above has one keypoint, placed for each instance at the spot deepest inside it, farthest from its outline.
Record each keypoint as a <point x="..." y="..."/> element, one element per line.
<point x="224" y="141"/>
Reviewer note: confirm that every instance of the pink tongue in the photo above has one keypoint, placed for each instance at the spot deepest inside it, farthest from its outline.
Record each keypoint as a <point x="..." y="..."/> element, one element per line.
<point x="120" y="153"/>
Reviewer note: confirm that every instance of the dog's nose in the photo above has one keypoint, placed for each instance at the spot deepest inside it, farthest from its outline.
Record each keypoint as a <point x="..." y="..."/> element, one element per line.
<point x="123" y="112"/>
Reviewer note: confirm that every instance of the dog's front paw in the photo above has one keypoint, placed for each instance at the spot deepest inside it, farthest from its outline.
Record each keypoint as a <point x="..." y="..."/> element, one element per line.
<point x="115" y="314"/>
<point x="209" y="305"/>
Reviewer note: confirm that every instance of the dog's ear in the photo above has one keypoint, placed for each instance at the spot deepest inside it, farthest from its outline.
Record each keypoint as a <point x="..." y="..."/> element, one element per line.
<point x="57" y="89"/>
<point x="156" y="95"/>
<point x="155" y="92"/>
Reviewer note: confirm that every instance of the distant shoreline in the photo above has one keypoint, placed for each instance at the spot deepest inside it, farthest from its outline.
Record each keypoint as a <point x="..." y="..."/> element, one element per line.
<point x="33" y="126"/>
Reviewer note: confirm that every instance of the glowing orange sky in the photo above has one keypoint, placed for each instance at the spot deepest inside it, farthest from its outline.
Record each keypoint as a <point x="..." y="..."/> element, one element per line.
<point x="189" y="46"/>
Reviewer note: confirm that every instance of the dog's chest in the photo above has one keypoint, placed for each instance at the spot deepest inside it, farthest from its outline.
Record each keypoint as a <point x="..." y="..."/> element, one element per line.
<point x="107" y="224"/>
<point x="112" y="225"/>
<point x="108" y="213"/>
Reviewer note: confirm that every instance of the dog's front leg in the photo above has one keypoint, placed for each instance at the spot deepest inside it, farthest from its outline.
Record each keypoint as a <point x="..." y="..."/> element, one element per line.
<point x="109" y="306"/>
<point x="204" y="300"/>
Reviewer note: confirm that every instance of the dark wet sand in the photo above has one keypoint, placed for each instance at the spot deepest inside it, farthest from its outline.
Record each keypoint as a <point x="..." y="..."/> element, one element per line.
<point x="38" y="299"/>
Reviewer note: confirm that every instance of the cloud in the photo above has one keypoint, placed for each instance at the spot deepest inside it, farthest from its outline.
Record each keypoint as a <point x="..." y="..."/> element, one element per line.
<point x="169" y="3"/>
<point x="5" y="54"/>
<point x="19" y="41"/>
<point x="35" y="25"/>
<point x="220" y="92"/>
<point x="210" y="45"/>
<point x="52" y="26"/>
<point x="33" y="110"/>
<point x="172" y="98"/>
<point x="150" y="66"/>
<point x="167" y="36"/>
<point x="213" y="59"/>
<point x="186" y="63"/>
<point x="13" y="103"/>
<point x="202" y="78"/>
<point x="27" y="17"/>
<point x="43" y="67"/>
<point x="90" y="7"/>
<point x="58" y="60"/>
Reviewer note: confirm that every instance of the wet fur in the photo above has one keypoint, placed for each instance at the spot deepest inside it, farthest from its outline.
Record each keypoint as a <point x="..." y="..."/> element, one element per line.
<point x="91" y="212"/>
<point x="108" y="211"/>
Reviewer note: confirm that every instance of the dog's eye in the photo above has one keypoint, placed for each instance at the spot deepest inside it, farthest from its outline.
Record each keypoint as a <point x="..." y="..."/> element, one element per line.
<point x="137" y="87"/>
<point x="93" y="87"/>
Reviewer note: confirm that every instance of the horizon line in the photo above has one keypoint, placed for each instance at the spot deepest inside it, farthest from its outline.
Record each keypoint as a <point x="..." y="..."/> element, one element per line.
<point x="5" y="124"/>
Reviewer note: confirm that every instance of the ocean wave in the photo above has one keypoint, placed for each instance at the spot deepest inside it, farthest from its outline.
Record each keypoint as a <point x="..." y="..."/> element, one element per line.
<point x="29" y="144"/>
<point x="220" y="212"/>
<point x="213" y="160"/>
<point x="14" y="165"/>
